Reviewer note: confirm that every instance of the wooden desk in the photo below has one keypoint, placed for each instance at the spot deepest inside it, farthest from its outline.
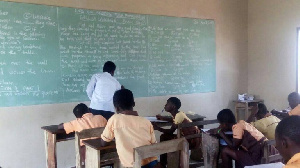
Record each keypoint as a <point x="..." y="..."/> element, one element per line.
<point x="53" y="135"/>
<point x="246" y="106"/>
<point x="195" y="117"/>
<point x="96" y="155"/>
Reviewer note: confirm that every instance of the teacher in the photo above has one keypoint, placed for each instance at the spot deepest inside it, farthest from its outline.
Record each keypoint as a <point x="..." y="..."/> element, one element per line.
<point x="101" y="89"/>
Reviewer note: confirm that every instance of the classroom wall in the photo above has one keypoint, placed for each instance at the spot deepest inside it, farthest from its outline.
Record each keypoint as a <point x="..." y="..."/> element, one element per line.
<point x="272" y="49"/>
<point x="22" y="140"/>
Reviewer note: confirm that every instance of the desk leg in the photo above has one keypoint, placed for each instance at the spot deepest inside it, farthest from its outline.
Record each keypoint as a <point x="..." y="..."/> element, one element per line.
<point x="236" y="112"/>
<point x="50" y="146"/>
<point x="247" y="112"/>
<point x="210" y="148"/>
<point x="92" y="158"/>
<point x="173" y="159"/>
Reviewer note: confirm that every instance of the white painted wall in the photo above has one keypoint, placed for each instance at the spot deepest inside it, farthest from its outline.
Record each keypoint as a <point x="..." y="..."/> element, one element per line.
<point x="22" y="141"/>
<point x="272" y="48"/>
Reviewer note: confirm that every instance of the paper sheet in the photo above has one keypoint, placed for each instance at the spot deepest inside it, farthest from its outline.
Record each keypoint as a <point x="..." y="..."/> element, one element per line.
<point x="154" y="119"/>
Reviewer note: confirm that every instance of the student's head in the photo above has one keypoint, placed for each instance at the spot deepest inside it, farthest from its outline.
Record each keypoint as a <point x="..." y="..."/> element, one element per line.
<point x="262" y="111"/>
<point x="109" y="67"/>
<point x="287" y="137"/>
<point x="226" y="119"/>
<point x="123" y="100"/>
<point x="294" y="99"/>
<point x="80" y="110"/>
<point x="173" y="104"/>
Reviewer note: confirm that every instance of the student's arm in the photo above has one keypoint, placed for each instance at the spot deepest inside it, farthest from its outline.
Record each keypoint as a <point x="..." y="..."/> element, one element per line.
<point x="91" y="87"/>
<point x="166" y="131"/>
<point x="103" y="143"/>
<point x="252" y="115"/>
<point x="164" y="118"/>
<point x="234" y="143"/>
<point x="61" y="126"/>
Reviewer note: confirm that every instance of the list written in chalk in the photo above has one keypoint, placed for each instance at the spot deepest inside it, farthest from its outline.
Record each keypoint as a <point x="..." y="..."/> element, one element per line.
<point x="48" y="54"/>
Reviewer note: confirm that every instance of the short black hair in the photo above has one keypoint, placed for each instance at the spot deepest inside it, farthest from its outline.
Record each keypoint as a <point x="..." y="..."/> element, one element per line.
<point x="175" y="101"/>
<point x="290" y="128"/>
<point x="294" y="96"/>
<point x="123" y="99"/>
<point x="80" y="110"/>
<point x="262" y="109"/>
<point x="226" y="116"/>
<point x="109" y="67"/>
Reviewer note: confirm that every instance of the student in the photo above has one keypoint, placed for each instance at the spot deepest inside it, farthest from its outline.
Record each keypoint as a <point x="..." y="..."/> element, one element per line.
<point x="84" y="120"/>
<point x="266" y="123"/>
<point x="294" y="101"/>
<point x="288" y="142"/>
<point x="129" y="130"/>
<point x="101" y="89"/>
<point x="172" y="106"/>
<point x="246" y="147"/>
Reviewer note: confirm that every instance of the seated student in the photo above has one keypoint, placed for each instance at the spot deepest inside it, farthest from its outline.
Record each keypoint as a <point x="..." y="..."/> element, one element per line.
<point x="246" y="148"/>
<point x="294" y="101"/>
<point x="172" y="106"/>
<point x="129" y="130"/>
<point x="288" y="142"/>
<point x="84" y="120"/>
<point x="266" y="123"/>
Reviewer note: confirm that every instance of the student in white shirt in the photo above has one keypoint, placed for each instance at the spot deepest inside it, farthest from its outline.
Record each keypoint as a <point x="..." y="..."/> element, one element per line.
<point x="101" y="89"/>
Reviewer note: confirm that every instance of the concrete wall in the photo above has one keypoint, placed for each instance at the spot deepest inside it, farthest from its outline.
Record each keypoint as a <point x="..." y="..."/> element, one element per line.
<point x="22" y="141"/>
<point x="272" y="49"/>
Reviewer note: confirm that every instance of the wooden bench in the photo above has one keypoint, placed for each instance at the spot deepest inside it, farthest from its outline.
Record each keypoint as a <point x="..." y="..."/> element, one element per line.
<point x="271" y="155"/>
<point x="108" y="155"/>
<point x="199" y="124"/>
<point x="168" y="147"/>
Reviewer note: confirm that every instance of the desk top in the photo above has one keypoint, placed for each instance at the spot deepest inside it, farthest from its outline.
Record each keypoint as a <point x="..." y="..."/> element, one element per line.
<point x="60" y="134"/>
<point x="95" y="143"/>
<point x="249" y="101"/>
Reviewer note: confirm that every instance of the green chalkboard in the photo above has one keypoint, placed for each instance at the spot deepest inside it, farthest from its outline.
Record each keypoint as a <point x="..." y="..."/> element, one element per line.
<point x="48" y="54"/>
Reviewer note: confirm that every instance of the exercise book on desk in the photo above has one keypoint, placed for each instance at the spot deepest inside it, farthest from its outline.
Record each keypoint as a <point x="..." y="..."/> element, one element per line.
<point x="154" y="119"/>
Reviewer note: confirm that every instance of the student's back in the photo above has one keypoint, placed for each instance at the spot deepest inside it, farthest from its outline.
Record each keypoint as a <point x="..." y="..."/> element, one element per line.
<point x="130" y="131"/>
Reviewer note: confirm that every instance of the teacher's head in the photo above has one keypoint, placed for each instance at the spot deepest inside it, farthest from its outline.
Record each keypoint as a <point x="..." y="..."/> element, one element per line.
<point x="109" y="67"/>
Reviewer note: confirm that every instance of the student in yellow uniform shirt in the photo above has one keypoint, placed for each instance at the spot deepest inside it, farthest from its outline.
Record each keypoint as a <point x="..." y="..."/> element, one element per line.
<point x="129" y="129"/>
<point x="266" y="122"/>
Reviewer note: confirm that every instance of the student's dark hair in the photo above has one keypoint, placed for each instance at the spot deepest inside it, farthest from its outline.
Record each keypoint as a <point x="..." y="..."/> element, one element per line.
<point x="123" y="99"/>
<point x="289" y="127"/>
<point x="294" y="96"/>
<point x="80" y="110"/>
<point x="226" y="116"/>
<point x="109" y="67"/>
<point x="175" y="101"/>
<point x="262" y="109"/>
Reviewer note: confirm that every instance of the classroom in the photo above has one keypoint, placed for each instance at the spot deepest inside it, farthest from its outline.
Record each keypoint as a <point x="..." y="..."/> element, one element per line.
<point x="256" y="53"/>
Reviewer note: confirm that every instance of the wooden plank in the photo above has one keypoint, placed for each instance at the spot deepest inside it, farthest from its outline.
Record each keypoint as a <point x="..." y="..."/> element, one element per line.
<point x="60" y="134"/>
<point x="160" y="148"/>
<point x="50" y="147"/>
<point x="197" y="123"/>
<point x="95" y="144"/>
<point x="89" y="133"/>
<point x="170" y="147"/>
<point x="92" y="159"/>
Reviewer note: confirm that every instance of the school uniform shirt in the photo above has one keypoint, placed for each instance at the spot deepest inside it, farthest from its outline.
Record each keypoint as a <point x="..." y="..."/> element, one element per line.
<point x="87" y="121"/>
<point x="294" y="162"/>
<point x="129" y="132"/>
<point x="100" y="91"/>
<point x="295" y="111"/>
<point x="267" y="126"/>
<point x="252" y="139"/>
<point x="181" y="117"/>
